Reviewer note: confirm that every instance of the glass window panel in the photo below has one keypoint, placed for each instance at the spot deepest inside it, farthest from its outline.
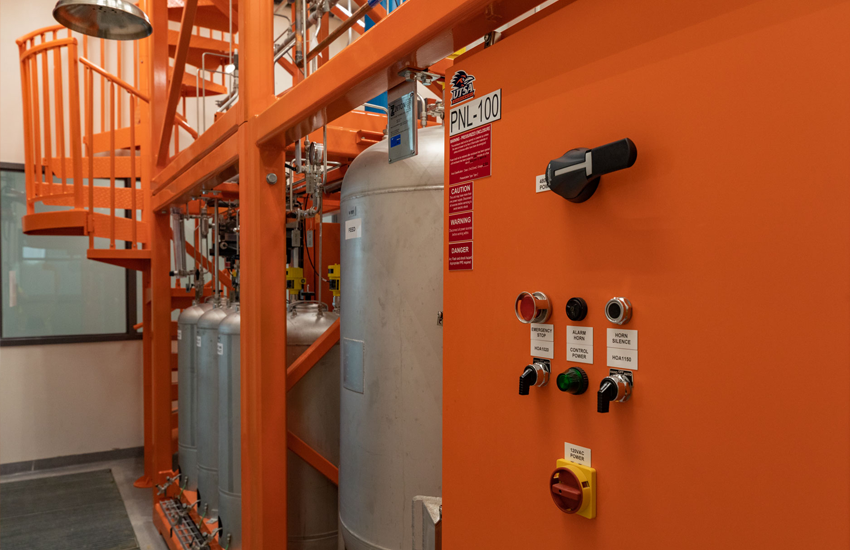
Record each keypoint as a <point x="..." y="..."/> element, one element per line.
<point x="49" y="287"/>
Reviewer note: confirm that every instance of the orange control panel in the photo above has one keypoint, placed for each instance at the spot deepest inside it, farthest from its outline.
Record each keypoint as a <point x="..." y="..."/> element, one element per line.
<point x="647" y="279"/>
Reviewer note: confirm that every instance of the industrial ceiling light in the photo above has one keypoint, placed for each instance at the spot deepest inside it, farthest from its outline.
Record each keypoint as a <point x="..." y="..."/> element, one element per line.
<point x="112" y="19"/>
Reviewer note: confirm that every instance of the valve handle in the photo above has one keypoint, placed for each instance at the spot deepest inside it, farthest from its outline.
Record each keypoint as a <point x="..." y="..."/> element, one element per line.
<point x="575" y="175"/>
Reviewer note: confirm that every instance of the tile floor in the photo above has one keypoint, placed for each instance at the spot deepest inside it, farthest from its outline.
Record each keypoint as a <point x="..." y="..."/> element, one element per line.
<point x="139" y="502"/>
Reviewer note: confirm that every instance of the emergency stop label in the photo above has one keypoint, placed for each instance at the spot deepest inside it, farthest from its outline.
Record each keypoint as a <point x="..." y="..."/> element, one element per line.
<point x="469" y="155"/>
<point x="577" y="454"/>
<point x="460" y="256"/>
<point x="460" y="198"/>
<point x="544" y="333"/>
<point x="460" y="227"/>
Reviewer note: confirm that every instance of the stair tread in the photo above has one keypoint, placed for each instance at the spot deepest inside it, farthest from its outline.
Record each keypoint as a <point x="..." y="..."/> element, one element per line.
<point x="198" y="46"/>
<point x="207" y="16"/>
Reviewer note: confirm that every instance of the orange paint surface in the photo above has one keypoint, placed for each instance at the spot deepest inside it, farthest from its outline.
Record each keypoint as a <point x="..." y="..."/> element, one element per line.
<point x="730" y="236"/>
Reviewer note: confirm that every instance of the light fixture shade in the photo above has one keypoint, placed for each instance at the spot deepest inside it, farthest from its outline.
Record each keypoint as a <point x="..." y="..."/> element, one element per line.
<point x="112" y="19"/>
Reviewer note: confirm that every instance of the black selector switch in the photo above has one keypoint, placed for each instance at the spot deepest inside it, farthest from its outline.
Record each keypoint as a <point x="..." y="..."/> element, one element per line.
<point x="576" y="309"/>
<point x="575" y="176"/>
<point x="536" y="374"/>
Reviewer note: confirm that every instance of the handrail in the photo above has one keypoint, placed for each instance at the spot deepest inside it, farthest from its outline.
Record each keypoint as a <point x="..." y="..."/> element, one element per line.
<point x="58" y="43"/>
<point x="109" y="76"/>
<point x="42" y="31"/>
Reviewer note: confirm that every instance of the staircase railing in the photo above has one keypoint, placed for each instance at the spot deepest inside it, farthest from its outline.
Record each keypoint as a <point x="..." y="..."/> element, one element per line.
<point x="41" y="54"/>
<point x="55" y="119"/>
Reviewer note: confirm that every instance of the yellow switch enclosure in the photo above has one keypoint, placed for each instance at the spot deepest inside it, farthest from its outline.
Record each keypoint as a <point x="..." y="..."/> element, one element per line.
<point x="587" y="477"/>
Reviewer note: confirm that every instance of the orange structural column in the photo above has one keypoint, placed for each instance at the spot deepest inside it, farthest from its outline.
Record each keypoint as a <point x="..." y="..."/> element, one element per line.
<point x="263" y="296"/>
<point x="160" y="281"/>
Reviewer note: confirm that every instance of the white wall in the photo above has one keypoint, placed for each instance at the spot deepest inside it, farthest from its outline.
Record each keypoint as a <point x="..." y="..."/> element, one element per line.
<point x="70" y="399"/>
<point x="62" y="399"/>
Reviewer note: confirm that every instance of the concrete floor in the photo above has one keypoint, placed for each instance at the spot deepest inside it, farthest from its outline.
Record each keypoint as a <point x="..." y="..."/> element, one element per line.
<point x="139" y="502"/>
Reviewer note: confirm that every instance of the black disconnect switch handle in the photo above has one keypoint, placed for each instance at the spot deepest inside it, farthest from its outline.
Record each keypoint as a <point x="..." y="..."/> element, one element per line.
<point x="575" y="176"/>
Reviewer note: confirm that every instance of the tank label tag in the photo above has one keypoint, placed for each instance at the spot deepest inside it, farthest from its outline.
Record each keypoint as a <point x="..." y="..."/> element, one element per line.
<point x="220" y="348"/>
<point x="460" y="256"/>
<point x="623" y="358"/>
<point x="577" y="454"/>
<point x="469" y="155"/>
<point x="540" y="184"/>
<point x="580" y="335"/>
<point x="622" y="339"/>
<point x="460" y="198"/>
<point x="352" y="229"/>
<point x="179" y="334"/>
<point x="579" y="353"/>
<point x="198" y="340"/>
<point x="543" y="349"/>
<point x="460" y="227"/>
<point x="542" y="333"/>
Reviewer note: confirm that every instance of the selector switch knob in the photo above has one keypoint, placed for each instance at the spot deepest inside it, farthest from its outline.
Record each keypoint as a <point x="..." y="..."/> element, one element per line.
<point x="532" y="307"/>
<point x="615" y="387"/>
<point x="536" y="374"/>
<point x="576" y="309"/>
<point x="573" y="380"/>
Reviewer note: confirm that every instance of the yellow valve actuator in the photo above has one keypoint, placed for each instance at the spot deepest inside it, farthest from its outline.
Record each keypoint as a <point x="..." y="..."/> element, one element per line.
<point x="295" y="279"/>
<point x="333" y="278"/>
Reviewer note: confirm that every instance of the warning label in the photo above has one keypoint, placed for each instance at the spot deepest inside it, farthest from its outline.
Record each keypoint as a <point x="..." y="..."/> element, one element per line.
<point x="460" y="227"/>
<point x="460" y="198"/>
<point x="469" y="155"/>
<point x="460" y="256"/>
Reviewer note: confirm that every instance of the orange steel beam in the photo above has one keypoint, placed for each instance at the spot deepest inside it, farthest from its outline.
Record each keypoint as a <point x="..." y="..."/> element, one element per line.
<point x="218" y="133"/>
<point x="212" y="169"/>
<point x="419" y="34"/>
<point x="186" y="23"/>
<point x="312" y="457"/>
<point x="263" y="228"/>
<point x="311" y="356"/>
<point x="160" y="234"/>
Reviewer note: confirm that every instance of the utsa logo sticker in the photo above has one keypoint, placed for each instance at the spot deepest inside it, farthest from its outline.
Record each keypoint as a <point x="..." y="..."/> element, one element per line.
<point x="462" y="87"/>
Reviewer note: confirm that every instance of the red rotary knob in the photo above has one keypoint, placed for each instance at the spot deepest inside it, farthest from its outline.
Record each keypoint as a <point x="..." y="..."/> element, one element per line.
<point x="566" y="490"/>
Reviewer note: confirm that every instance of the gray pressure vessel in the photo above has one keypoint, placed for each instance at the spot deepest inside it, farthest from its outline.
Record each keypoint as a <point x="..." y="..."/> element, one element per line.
<point x="230" y="432"/>
<point x="312" y="415"/>
<point x="187" y="399"/>
<point x="207" y="356"/>
<point x="392" y="380"/>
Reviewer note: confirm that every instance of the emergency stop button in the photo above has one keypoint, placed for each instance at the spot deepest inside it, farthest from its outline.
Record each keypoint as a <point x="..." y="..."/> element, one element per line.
<point x="532" y="307"/>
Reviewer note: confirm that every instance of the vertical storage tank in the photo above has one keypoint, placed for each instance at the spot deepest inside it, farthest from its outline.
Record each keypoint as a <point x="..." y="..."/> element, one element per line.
<point x="207" y="357"/>
<point x="392" y="289"/>
<point x="187" y="399"/>
<point x="312" y="415"/>
<point x="230" y="431"/>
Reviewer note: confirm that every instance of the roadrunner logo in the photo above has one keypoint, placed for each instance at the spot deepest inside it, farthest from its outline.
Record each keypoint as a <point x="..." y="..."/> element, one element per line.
<point x="462" y="87"/>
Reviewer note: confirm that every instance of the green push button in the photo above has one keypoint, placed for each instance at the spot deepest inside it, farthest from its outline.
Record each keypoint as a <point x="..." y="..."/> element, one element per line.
<point x="573" y="380"/>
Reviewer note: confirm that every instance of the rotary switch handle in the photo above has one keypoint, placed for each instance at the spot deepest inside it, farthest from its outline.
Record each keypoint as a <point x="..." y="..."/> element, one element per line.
<point x="566" y="490"/>
<point x="575" y="176"/>
<point x="614" y="387"/>
<point x="536" y="374"/>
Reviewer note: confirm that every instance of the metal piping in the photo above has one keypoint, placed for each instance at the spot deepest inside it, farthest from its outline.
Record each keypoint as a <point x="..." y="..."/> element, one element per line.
<point x="215" y="256"/>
